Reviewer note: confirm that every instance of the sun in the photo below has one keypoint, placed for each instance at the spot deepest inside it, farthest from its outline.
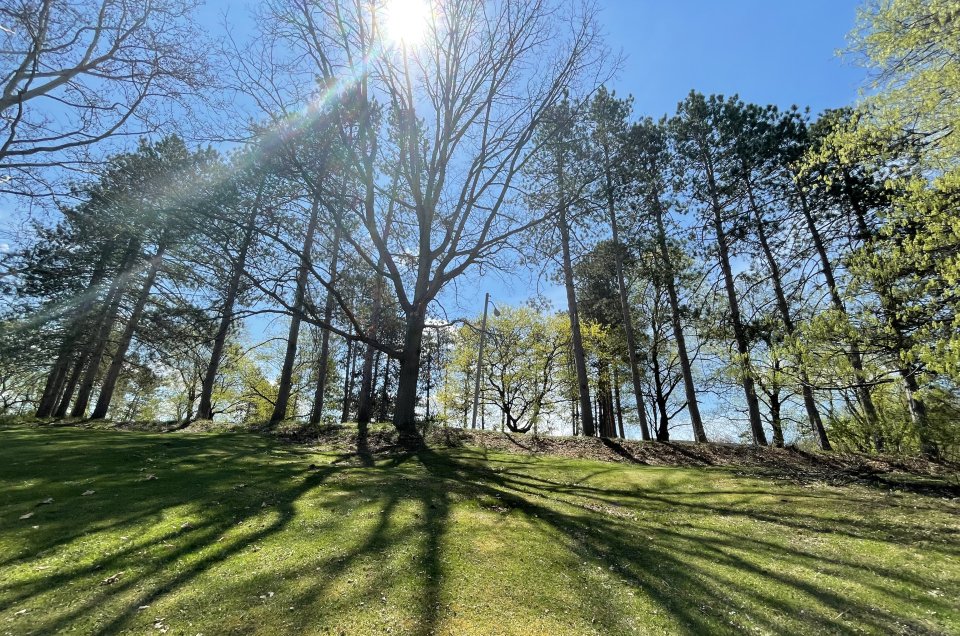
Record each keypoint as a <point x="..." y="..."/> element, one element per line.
<point x="406" y="21"/>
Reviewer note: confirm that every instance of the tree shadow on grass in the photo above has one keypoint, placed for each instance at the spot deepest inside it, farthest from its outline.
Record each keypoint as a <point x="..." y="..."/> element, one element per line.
<point x="393" y="513"/>
<point x="703" y="576"/>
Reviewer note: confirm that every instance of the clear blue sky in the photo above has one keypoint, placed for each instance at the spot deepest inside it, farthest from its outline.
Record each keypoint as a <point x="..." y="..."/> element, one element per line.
<point x="768" y="51"/>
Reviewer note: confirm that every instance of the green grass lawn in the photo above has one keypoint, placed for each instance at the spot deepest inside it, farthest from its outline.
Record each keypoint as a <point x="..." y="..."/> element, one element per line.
<point x="234" y="533"/>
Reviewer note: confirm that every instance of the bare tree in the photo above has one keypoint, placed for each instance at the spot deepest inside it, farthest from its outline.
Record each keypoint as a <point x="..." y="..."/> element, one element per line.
<point x="78" y="73"/>
<point x="452" y="117"/>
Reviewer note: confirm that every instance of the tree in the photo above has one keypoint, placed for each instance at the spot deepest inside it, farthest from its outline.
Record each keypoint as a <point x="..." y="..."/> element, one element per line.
<point x="703" y="140"/>
<point x="80" y="73"/>
<point x="759" y="146"/>
<point x="649" y="164"/>
<point x="463" y="107"/>
<point x="609" y="127"/>
<point x="913" y="47"/>
<point x="523" y="359"/>
<point x="562" y="177"/>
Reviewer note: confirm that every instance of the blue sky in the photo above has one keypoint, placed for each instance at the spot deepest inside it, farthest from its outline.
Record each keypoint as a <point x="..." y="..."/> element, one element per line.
<point x="769" y="52"/>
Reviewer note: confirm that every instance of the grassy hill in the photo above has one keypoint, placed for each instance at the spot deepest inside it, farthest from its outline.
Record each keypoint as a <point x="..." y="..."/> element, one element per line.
<point x="105" y="531"/>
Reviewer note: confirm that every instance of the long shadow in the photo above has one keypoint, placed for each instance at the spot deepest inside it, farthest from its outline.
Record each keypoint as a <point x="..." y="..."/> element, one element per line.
<point x="693" y="568"/>
<point x="621" y="451"/>
<point x="673" y="554"/>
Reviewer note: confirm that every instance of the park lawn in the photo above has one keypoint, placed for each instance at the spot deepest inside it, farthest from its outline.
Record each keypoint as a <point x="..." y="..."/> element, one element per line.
<point x="235" y="533"/>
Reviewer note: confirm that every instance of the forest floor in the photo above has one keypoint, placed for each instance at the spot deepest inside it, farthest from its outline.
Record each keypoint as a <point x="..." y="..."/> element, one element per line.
<point x="214" y="532"/>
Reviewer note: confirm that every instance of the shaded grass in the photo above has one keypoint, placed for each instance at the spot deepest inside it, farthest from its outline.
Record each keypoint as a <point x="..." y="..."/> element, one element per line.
<point x="233" y="533"/>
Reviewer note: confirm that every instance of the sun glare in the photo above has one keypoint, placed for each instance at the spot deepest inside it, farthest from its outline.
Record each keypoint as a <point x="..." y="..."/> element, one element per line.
<point x="406" y="21"/>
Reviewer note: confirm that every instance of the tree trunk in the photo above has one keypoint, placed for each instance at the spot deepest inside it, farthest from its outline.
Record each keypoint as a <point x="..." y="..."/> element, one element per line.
<point x="347" y="381"/>
<point x="116" y="364"/>
<point x="293" y="336"/>
<point x="385" y="393"/>
<point x="624" y="302"/>
<point x="776" y="421"/>
<point x="71" y="386"/>
<point x="55" y="380"/>
<point x="890" y="306"/>
<point x="316" y="413"/>
<point x="405" y="410"/>
<point x="365" y="401"/>
<point x="809" y="403"/>
<point x="605" y="399"/>
<point x="739" y="333"/>
<point x="191" y="398"/>
<point x="583" y="382"/>
<point x="864" y="397"/>
<point x="918" y="415"/>
<point x="205" y="408"/>
<point x="376" y="378"/>
<point x="58" y="385"/>
<point x="663" y="431"/>
<point x="616" y="398"/>
<point x="693" y="407"/>
<point x="98" y="345"/>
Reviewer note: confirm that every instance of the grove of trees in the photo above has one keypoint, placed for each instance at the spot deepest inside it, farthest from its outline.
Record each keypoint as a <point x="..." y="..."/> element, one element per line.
<point x="730" y="272"/>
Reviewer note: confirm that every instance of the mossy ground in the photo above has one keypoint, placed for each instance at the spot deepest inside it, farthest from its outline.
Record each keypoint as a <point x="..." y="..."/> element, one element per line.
<point x="235" y="533"/>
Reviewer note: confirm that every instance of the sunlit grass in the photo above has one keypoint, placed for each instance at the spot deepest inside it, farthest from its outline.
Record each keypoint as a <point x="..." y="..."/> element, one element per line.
<point x="235" y="533"/>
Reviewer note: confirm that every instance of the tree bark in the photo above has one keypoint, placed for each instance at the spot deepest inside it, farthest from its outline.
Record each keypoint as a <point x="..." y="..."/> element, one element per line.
<point x="205" y="408"/>
<point x="405" y="410"/>
<point x="776" y="421"/>
<point x="293" y="336"/>
<point x="809" y="403"/>
<point x="624" y="301"/>
<point x="663" y="430"/>
<point x="116" y="364"/>
<point x="693" y="407"/>
<point x="98" y="345"/>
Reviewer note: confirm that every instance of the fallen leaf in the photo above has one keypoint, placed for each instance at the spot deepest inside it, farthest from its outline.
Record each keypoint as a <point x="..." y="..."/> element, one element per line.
<point x="26" y="516"/>
<point x="87" y="492"/>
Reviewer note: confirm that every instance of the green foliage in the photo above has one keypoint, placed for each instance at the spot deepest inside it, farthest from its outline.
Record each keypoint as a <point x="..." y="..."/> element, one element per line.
<point x="914" y="47"/>
<point x="524" y="367"/>
<point x="850" y="432"/>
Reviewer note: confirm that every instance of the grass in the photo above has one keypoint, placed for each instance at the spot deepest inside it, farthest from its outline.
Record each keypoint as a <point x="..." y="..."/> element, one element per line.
<point x="231" y="533"/>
